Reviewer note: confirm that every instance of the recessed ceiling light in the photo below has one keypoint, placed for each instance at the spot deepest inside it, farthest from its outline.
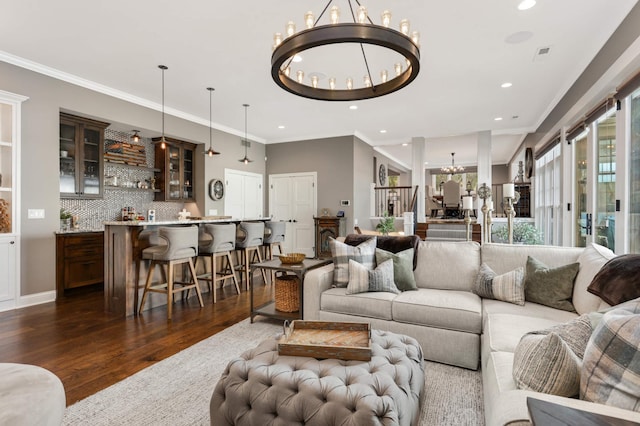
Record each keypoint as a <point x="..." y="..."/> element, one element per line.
<point x="505" y="85"/>
<point x="297" y="58"/>
<point x="405" y="144"/>
<point x="526" y="4"/>
<point x="383" y="131"/>
<point x="353" y="107"/>
<point x="498" y="118"/>
<point x="281" y="127"/>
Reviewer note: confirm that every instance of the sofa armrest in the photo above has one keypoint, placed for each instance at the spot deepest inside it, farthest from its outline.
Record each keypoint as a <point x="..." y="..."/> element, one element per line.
<point x="589" y="407"/>
<point x="315" y="282"/>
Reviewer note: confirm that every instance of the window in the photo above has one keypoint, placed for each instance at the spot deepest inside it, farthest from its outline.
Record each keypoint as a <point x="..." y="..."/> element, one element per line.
<point x="604" y="219"/>
<point x="634" y="175"/>
<point x="548" y="179"/>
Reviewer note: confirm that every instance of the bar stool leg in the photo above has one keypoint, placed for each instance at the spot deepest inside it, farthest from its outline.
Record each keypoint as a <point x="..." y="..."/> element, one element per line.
<point x="195" y="281"/>
<point x="170" y="291"/>
<point x="213" y="276"/>
<point x="233" y="271"/>
<point x="147" y="285"/>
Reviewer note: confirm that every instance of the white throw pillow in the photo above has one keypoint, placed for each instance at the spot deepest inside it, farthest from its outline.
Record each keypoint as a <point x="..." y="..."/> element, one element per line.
<point x="591" y="261"/>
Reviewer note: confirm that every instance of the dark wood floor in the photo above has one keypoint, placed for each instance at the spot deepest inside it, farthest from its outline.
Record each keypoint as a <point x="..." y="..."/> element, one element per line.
<point x="90" y="349"/>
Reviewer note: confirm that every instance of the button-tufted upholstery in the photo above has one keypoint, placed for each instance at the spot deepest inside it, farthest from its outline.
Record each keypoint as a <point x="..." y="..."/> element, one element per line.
<point x="261" y="387"/>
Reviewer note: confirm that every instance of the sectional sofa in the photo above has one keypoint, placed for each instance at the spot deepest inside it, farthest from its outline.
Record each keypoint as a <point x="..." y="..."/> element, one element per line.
<point x="456" y="326"/>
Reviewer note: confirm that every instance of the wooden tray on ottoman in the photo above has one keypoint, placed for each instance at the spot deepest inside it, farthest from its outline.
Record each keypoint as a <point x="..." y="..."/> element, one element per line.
<point x="324" y="339"/>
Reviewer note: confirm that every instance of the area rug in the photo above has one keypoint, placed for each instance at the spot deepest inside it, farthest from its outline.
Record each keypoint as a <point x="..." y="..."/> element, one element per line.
<point x="177" y="390"/>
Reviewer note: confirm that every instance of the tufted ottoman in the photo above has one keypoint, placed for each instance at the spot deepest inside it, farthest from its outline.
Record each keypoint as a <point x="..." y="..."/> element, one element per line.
<point x="262" y="388"/>
<point x="30" y="395"/>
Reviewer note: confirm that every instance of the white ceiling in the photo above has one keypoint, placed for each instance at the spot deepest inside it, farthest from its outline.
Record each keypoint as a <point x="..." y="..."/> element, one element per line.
<point x="465" y="57"/>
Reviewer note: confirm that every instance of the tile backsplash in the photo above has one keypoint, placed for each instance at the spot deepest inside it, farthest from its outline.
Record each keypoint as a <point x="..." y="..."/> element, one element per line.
<point x="91" y="213"/>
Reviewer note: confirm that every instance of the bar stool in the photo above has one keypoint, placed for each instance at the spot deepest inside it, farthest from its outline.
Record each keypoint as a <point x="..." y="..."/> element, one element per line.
<point x="273" y="237"/>
<point x="274" y="233"/>
<point x="249" y="238"/>
<point x="217" y="241"/>
<point x="181" y="247"/>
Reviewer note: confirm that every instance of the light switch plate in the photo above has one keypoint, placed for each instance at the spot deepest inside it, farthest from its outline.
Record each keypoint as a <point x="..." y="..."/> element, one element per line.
<point x="35" y="214"/>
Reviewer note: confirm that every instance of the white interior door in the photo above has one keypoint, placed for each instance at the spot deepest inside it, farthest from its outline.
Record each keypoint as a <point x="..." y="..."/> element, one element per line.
<point x="293" y="199"/>
<point x="244" y="194"/>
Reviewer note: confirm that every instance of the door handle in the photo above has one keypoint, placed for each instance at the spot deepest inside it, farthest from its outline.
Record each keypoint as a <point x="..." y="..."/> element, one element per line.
<point x="589" y="224"/>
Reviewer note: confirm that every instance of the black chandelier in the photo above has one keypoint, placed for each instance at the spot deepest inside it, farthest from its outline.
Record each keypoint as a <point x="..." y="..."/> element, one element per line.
<point x="362" y="31"/>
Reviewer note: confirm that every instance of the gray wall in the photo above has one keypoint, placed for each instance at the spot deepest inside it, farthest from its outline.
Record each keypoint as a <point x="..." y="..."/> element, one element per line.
<point x="331" y="159"/>
<point x="362" y="169"/>
<point x="39" y="168"/>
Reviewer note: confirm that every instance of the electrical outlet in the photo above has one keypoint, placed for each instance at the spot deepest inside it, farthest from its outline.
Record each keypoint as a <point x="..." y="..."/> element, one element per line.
<point x="345" y="202"/>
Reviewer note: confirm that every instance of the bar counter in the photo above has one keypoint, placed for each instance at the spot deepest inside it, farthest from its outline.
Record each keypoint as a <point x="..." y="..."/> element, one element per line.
<point x="124" y="274"/>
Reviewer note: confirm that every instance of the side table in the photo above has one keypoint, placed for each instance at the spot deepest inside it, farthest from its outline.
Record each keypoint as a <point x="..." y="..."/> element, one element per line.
<point x="299" y="270"/>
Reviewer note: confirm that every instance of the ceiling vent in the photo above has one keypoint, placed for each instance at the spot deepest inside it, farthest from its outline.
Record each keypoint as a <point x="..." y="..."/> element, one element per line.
<point x="542" y="53"/>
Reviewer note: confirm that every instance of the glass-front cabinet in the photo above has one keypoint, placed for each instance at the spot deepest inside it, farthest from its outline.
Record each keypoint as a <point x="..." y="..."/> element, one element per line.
<point x="81" y="156"/>
<point x="176" y="170"/>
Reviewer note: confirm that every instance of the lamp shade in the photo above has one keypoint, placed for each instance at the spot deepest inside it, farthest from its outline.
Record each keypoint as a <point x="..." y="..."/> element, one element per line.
<point x="467" y="203"/>
<point x="508" y="190"/>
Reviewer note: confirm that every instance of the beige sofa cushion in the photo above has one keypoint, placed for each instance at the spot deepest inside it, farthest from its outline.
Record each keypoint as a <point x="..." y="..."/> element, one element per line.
<point x="370" y="304"/>
<point x="591" y="261"/>
<point x="451" y="310"/>
<point x="503" y="258"/>
<point x="448" y="265"/>
<point x="490" y="307"/>
<point x="502" y="332"/>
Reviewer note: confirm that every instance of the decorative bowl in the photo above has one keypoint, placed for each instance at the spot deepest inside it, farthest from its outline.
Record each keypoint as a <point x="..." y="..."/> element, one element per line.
<point x="291" y="258"/>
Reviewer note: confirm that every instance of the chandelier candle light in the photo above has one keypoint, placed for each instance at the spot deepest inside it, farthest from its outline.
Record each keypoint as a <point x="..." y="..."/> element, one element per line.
<point x="287" y="48"/>
<point x="453" y="169"/>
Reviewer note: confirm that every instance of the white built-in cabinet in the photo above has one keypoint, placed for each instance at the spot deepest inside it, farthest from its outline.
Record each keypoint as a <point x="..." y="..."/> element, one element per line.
<point x="10" y="105"/>
<point x="293" y="199"/>
<point x="244" y="194"/>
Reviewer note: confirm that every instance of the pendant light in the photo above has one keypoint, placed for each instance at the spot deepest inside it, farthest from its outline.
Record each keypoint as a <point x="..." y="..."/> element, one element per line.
<point x="163" y="141"/>
<point x="210" y="152"/>
<point x="245" y="141"/>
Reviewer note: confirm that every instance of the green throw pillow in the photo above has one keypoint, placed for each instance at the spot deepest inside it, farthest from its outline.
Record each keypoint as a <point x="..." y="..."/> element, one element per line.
<point x="402" y="267"/>
<point x="550" y="286"/>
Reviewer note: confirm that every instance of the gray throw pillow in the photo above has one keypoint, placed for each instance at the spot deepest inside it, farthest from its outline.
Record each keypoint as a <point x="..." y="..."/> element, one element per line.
<point x="362" y="279"/>
<point x="550" y="360"/>
<point x="507" y="287"/>
<point x="341" y="253"/>
<point x="550" y="286"/>
<point x="402" y="267"/>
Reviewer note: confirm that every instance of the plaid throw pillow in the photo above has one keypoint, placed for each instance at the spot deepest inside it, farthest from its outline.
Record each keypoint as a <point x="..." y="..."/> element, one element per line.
<point x="507" y="287"/>
<point x="611" y="367"/>
<point x="341" y="253"/>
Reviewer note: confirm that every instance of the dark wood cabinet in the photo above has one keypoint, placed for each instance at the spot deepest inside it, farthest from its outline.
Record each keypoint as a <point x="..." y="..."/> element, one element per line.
<point x="523" y="207"/>
<point x="81" y="157"/>
<point x="79" y="260"/>
<point x="176" y="165"/>
<point x="327" y="227"/>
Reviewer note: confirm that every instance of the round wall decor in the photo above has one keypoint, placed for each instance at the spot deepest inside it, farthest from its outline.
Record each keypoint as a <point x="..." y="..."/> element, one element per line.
<point x="382" y="174"/>
<point x="216" y="189"/>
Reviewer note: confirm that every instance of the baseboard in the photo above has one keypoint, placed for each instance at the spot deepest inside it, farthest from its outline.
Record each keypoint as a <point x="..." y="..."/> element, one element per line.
<point x="36" y="299"/>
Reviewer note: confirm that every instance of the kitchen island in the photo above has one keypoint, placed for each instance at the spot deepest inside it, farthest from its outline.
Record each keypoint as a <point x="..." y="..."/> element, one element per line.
<point x="124" y="273"/>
